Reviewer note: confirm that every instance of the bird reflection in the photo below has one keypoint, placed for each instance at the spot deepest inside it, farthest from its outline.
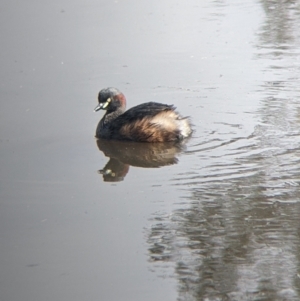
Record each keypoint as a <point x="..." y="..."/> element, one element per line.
<point x="122" y="154"/>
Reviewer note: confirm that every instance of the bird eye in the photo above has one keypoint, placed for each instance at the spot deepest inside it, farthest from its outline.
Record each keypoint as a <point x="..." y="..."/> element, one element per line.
<point x="106" y="103"/>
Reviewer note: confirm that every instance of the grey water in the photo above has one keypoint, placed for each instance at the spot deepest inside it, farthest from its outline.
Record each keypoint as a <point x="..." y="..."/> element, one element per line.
<point x="216" y="218"/>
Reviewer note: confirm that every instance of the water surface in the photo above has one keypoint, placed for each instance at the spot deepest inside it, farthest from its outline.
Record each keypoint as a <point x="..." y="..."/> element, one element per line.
<point x="214" y="219"/>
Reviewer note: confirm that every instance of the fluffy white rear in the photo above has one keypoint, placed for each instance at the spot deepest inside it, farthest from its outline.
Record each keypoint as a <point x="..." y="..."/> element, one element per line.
<point x="184" y="127"/>
<point x="172" y="121"/>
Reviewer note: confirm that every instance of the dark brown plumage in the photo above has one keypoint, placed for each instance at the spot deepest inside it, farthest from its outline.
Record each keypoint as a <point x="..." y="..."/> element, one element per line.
<point x="148" y="122"/>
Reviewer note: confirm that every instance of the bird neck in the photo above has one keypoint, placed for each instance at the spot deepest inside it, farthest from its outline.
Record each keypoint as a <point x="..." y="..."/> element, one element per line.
<point x="110" y="116"/>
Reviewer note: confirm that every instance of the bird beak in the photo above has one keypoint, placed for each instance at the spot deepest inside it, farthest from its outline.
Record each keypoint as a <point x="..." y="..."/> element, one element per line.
<point x="99" y="107"/>
<point x="102" y="105"/>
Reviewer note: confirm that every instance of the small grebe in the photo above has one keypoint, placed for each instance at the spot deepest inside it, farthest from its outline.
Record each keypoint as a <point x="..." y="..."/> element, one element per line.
<point x="147" y="122"/>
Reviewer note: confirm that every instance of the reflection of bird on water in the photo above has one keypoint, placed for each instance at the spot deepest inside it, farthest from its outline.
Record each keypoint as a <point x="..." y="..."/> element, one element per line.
<point x="114" y="171"/>
<point x="148" y="122"/>
<point x="123" y="154"/>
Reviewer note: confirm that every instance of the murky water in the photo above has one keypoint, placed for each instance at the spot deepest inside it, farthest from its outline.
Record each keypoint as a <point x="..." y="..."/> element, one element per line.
<point x="216" y="218"/>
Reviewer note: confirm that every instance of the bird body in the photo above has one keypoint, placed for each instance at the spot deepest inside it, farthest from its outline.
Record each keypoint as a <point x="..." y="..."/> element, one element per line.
<point x="147" y="122"/>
